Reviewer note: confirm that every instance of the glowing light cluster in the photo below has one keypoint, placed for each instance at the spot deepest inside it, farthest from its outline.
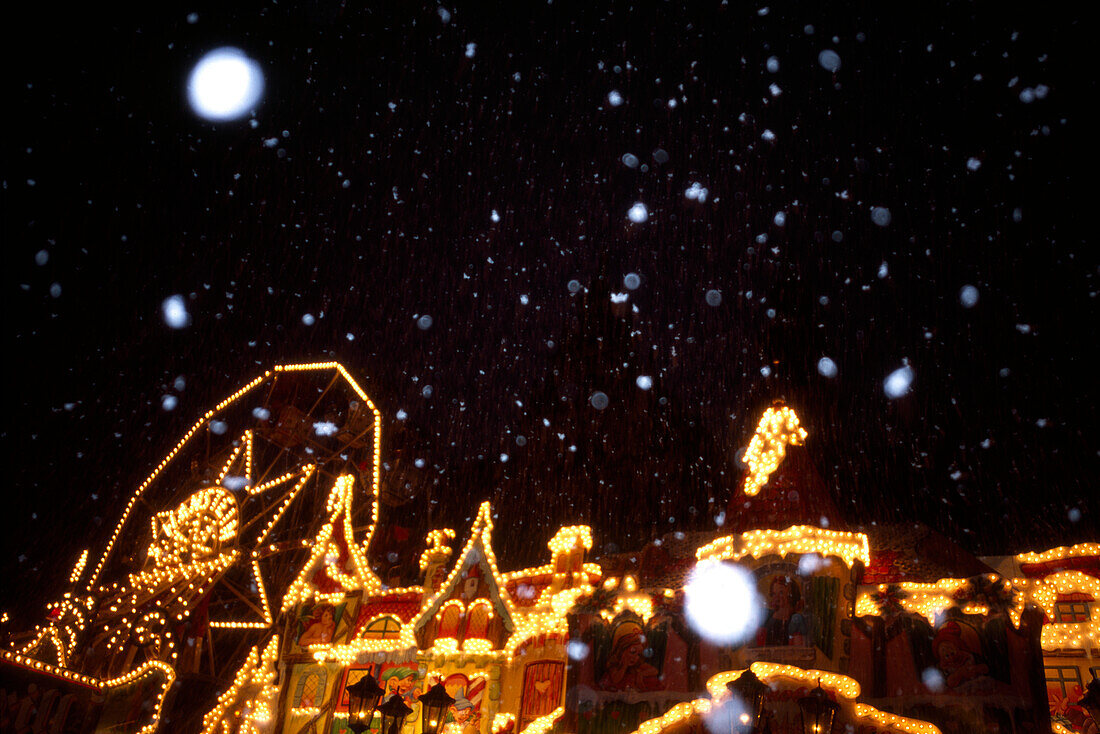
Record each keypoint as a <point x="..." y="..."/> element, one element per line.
<point x="236" y="712"/>
<point x="841" y="685"/>
<point x="777" y="428"/>
<point x="197" y="529"/>
<point x="772" y="673"/>
<point x="675" y="715"/>
<point x="628" y="598"/>
<point x="931" y="600"/>
<point x="1060" y="553"/>
<point x="59" y="671"/>
<point x="800" y="539"/>
<point x="542" y="724"/>
<point x="438" y="544"/>
<point x="893" y="721"/>
<point x="570" y="537"/>
<point x="502" y="722"/>
<point x="1045" y="592"/>
<point x="79" y="567"/>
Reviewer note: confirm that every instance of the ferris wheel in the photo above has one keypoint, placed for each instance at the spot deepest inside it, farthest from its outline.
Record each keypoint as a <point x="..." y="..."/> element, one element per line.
<point x="197" y="567"/>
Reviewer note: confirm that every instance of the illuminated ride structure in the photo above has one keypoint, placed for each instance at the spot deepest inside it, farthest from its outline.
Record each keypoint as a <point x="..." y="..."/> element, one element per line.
<point x="236" y="594"/>
<point x="207" y="546"/>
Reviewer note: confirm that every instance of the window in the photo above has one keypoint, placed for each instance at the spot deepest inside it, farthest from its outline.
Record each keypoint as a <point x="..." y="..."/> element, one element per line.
<point x="1071" y="611"/>
<point x="311" y="688"/>
<point x="449" y="618"/>
<point x="382" y="628"/>
<point x="1063" y="678"/>
<point x="477" y="620"/>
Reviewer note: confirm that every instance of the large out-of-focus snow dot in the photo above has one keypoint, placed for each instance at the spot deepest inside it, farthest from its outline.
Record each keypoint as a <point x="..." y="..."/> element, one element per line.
<point x="175" y="312"/>
<point x="218" y="427"/>
<point x="898" y="382"/>
<point x="424" y="322"/>
<point x="933" y="679"/>
<point x="973" y="164"/>
<point x="169" y="402"/>
<point x="630" y="160"/>
<point x="573" y="286"/>
<point x="225" y="84"/>
<point x="614" y="98"/>
<point x="829" y="60"/>
<point x="638" y="213"/>
<point x="599" y="400"/>
<point x="826" y="367"/>
<point x="881" y="216"/>
<point x="632" y="281"/>
<point x="644" y="382"/>
<point x="261" y="413"/>
<point x="773" y="64"/>
<point x="576" y="650"/>
<point x="968" y="296"/>
<point x="721" y="603"/>
<point x="714" y="297"/>
<point x="732" y="715"/>
<point x="308" y="319"/>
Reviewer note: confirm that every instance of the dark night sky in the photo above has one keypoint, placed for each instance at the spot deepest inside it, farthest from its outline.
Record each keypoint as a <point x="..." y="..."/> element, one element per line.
<point x="362" y="194"/>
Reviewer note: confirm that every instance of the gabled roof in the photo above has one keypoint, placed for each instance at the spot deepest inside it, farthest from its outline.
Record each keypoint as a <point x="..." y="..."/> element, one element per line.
<point x="477" y="551"/>
<point x="323" y="574"/>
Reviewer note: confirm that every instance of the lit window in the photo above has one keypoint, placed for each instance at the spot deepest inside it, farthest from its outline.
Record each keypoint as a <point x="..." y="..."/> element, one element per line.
<point x="383" y="628"/>
<point x="1064" y="678"/>
<point x="1071" y="611"/>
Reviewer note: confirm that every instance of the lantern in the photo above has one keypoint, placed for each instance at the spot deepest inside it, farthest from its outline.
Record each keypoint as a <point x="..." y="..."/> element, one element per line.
<point x="435" y="703"/>
<point x="394" y="711"/>
<point x="818" y="712"/>
<point x="362" y="701"/>
<point x="750" y="691"/>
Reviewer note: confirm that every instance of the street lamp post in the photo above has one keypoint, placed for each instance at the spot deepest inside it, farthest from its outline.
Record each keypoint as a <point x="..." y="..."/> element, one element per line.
<point x="362" y="701"/>
<point x="818" y="711"/>
<point x="749" y="690"/>
<point x="435" y="703"/>
<point x="394" y="712"/>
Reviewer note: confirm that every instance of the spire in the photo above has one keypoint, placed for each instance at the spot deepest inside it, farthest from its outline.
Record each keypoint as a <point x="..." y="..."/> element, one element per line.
<point x="786" y="489"/>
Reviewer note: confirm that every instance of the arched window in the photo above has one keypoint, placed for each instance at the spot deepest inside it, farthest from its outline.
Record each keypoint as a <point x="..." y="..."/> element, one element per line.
<point x="386" y="627"/>
<point x="311" y="688"/>
<point x="450" y="617"/>
<point x="477" y="620"/>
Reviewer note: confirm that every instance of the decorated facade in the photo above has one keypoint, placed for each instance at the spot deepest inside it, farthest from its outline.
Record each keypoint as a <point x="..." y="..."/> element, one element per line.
<point x="240" y="592"/>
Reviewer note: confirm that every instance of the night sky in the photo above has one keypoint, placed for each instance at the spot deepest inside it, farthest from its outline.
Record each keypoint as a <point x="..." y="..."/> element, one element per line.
<point x="438" y="197"/>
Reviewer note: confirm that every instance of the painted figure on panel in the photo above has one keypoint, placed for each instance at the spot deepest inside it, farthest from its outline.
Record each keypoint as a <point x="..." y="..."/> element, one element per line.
<point x="958" y="650"/>
<point x="466" y="710"/>
<point x="627" y="668"/>
<point x="402" y="681"/>
<point x="785" y="623"/>
<point x="319" y="627"/>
